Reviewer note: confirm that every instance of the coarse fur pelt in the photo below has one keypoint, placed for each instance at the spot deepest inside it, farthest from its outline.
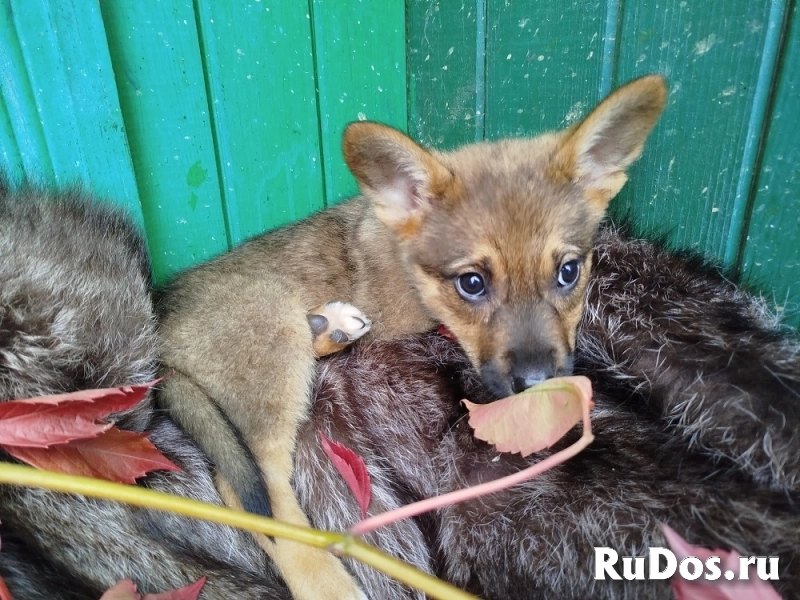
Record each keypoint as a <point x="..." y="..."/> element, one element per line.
<point x="697" y="395"/>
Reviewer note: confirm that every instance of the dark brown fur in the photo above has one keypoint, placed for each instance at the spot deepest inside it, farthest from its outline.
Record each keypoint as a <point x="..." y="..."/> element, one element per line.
<point x="536" y="540"/>
<point x="652" y="319"/>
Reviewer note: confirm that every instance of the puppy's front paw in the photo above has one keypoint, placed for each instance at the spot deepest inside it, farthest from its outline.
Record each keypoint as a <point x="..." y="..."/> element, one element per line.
<point x="335" y="325"/>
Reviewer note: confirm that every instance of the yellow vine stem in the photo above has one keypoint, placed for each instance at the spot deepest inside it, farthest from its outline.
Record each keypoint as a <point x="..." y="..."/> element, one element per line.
<point x="340" y="544"/>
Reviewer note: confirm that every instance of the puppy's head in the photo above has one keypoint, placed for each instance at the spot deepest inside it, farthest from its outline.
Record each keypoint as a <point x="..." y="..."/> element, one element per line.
<point x="497" y="237"/>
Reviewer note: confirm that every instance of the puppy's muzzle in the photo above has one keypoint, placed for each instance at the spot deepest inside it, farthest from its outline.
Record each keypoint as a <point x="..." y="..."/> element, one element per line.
<point x="524" y="371"/>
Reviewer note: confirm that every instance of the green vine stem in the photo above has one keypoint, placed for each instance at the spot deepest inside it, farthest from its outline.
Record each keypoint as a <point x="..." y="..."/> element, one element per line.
<point x="341" y="544"/>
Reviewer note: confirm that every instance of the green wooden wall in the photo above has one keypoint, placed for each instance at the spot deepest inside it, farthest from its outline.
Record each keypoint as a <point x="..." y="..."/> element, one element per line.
<point x="213" y="120"/>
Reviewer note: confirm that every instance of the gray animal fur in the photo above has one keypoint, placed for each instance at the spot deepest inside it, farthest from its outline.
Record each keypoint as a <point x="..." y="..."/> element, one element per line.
<point x="696" y="424"/>
<point x="76" y="313"/>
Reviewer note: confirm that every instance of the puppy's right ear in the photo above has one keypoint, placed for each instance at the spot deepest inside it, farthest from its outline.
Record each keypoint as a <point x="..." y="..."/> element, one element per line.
<point x="597" y="152"/>
<point x="402" y="179"/>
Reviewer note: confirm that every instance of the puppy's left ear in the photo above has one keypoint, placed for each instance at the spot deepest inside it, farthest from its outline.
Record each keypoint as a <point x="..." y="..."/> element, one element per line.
<point x="596" y="153"/>
<point x="402" y="179"/>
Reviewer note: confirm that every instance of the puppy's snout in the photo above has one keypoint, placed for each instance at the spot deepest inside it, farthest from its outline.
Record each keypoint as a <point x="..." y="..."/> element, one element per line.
<point x="526" y="374"/>
<point x="525" y="377"/>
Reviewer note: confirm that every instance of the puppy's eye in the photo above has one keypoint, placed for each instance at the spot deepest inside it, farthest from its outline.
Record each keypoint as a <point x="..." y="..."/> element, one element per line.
<point x="568" y="273"/>
<point x="471" y="286"/>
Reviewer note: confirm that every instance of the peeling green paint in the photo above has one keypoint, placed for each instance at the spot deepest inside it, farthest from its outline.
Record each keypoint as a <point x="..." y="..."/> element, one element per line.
<point x="195" y="176"/>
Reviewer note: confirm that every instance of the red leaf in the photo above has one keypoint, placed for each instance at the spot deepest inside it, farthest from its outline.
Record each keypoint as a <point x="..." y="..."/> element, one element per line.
<point x="122" y="590"/>
<point x="352" y="469"/>
<point x="5" y="593"/>
<point x="115" y="455"/>
<point x="720" y="589"/>
<point x="42" y="422"/>
<point x="126" y="590"/>
<point x="190" y="592"/>
<point x="534" y="419"/>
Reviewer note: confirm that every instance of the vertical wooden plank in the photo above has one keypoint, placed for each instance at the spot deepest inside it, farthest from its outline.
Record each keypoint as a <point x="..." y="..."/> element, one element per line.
<point x="11" y="165"/>
<point x="711" y="52"/>
<point x="23" y="137"/>
<point x="756" y="129"/>
<point x="446" y="64"/>
<point x="610" y="46"/>
<point x="545" y="64"/>
<point x="260" y="77"/>
<point x="771" y="256"/>
<point x="359" y="50"/>
<point x="59" y="90"/>
<point x="156" y="56"/>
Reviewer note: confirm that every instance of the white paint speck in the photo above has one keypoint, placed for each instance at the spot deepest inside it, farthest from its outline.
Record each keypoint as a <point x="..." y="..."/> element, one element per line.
<point x="451" y="50"/>
<point x="508" y="57"/>
<point x="714" y="209"/>
<point x="705" y="45"/>
<point x="591" y="54"/>
<point x="574" y="113"/>
<point x="362" y="116"/>
<point x="540" y="58"/>
<point x="729" y="91"/>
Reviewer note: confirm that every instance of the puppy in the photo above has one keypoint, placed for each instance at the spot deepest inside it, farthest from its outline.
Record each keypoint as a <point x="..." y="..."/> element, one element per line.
<point x="493" y="240"/>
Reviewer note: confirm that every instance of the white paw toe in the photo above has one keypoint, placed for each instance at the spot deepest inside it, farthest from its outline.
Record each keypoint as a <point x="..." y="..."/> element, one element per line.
<point x="347" y="319"/>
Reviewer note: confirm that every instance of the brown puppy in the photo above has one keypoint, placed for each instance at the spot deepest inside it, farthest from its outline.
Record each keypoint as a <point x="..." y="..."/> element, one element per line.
<point x="493" y="240"/>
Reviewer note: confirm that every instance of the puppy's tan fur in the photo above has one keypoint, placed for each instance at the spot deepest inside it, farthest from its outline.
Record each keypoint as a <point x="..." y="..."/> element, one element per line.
<point x="236" y="330"/>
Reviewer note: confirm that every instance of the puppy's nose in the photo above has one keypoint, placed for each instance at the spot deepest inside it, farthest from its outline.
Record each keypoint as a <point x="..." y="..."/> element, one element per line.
<point x="523" y="378"/>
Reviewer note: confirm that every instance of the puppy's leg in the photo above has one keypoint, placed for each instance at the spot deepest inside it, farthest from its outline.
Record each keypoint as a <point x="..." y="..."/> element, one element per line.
<point x="310" y="573"/>
<point x="336" y="325"/>
<point x="252" y="366"/>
